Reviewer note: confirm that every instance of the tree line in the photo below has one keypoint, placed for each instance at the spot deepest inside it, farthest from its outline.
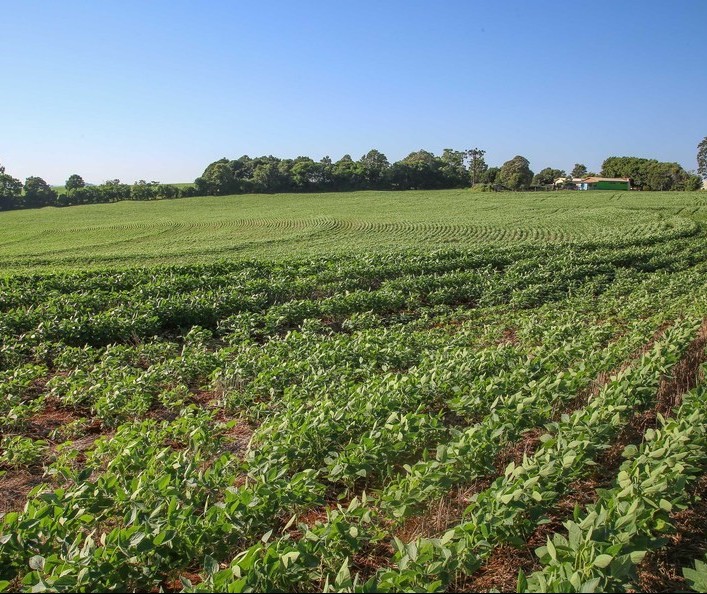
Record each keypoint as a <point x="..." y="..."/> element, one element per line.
<point x="36" y="193"/>
<point x="420" y="170"/>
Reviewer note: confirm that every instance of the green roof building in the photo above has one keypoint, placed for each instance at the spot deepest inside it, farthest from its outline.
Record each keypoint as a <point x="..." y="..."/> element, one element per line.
<point x="605" y="183"/>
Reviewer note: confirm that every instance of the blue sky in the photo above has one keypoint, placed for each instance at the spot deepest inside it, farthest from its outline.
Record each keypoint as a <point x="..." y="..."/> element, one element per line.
<point x="157" y="90"/>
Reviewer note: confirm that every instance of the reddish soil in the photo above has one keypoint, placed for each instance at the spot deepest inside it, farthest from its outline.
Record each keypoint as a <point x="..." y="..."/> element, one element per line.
<point x="509" y="336"/>
<point x="237" y="438"/>
<point x="51" y="417"/>
<point x="500" y="571"/>
<point x="176" y="585"/>
<point x="516" y="450"/>
<point x="15" y="485"/>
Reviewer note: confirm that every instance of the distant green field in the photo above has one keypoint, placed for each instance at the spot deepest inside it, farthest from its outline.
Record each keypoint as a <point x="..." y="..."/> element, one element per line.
<point x="274" y="226"/>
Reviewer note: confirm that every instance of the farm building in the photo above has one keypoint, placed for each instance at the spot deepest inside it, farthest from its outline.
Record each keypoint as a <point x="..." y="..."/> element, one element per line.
<point x="605" y="183"/>
<point x="565" y="182"/>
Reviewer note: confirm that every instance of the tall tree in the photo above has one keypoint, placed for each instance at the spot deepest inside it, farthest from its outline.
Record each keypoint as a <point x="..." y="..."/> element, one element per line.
<point x="477" y="165"/>
<point x="347" y="173"/>
<point x="74" y="181"/>
<point x="422" y="170"/>
<point x="702" y="157"/>
<point x="515" y="174"/>
<point x="453" y="169"/>
<point x="374" y="165"/>
<point x="579" y="170"/>
<point x="10" y="190"/>
<point x="38" y="193"/>
<point x="307" y="174"/>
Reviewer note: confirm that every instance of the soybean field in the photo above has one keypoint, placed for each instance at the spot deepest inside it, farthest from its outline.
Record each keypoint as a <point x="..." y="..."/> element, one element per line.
<point x="365" y="392"/>
<point x="211" y="229"/>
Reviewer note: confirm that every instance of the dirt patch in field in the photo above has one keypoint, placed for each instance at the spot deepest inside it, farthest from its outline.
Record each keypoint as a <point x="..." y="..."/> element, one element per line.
<point x="442" y="513"/>
<point x="515" y="451"/>
<point x="204" y="397"/>
<point x="509" y="336"/>
<point x="367" y="562"/>
<point x="14" y="487"/>
<point x="51" y="417"/>
<point x="176" y="585"/>
<point x="237" y="438"/>
<point x="500" y="571"/>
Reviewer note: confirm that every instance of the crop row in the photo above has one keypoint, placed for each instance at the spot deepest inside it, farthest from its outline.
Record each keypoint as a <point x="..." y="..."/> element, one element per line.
<point x="267" y="426"/>
<point x="604" y="543"/>
<point x="511" y="506"/>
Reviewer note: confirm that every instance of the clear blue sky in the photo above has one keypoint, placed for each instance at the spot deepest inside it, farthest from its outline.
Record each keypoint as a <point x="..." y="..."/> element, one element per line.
<point x="159" y="89"/>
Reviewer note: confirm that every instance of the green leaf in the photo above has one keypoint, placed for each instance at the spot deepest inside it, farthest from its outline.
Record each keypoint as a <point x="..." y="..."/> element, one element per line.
<point x="590" y="585"/>
<point x="630" y="451"/>
<point x="289" y="558"/>
<point x="506" y="498"/>
<point x="551" y="550"/>
<point x="343" y="577"/>
<point x="211" y="566"/>
<point x="603" y="561"/>
<point x="36" y="562"/>
<point x="522" y="583"/>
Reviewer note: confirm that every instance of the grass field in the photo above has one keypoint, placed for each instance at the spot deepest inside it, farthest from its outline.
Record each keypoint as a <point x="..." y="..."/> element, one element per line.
<point x="214" y="228"/>
<point x="419" y="391"/>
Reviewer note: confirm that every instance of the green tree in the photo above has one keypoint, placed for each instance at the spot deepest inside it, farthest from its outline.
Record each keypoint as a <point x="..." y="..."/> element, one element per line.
<point x="453" y="169"/>
<point x="347" y="174"/>
<point x="547" y="176"/>
<point x="647" y="174"/>
<point x="167" y="191"/>
<point x="142" y="190"/>
<point x="112" y="190"/>
<point x="490" y="176"/>
<point x="307" y="174"/>
<point x="10" y="190"/>
<point x="75" y="181"/>
<point x="217" y="179"/>
<point x="85" y="195"/>
<point x="419" y="170"/>
<point x="374" y="166"/>
<point x="692" y="183"/>
<point x="702" y="157"/>
<point x="269" y="175"/>
<point x="515" y="174"/>
<point x="477" y="164"/>
<point x="579" y="170"/>
<point x="38" y="193"/>
<point x="327" y="172"/>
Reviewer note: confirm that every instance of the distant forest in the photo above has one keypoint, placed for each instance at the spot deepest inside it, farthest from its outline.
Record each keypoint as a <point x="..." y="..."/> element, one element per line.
<point x="421" y="170"/>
